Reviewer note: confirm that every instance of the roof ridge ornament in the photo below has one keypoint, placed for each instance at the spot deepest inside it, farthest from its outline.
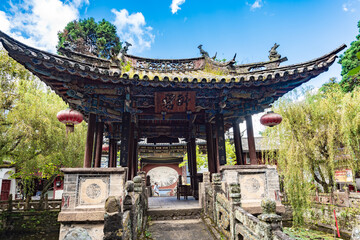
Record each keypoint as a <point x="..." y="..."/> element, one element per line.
<point x="126" y="48"/>
<point x="203" y="52"/>
<point x="274" y="55"/>
<point x="214" y="57"/>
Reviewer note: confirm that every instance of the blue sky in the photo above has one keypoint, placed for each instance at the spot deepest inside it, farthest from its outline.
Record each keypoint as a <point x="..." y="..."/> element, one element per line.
<point x="174" y="28"/>
<point x="305" y="29"/>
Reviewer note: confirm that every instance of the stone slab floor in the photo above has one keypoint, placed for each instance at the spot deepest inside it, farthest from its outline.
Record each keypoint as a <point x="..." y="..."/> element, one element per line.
<point x="172" y="203"/>
<point x="188" y="229"/>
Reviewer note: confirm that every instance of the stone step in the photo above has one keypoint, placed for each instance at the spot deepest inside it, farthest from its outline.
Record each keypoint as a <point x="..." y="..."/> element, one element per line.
<point x="175" y="214"/>
<point x="188" y="229"/>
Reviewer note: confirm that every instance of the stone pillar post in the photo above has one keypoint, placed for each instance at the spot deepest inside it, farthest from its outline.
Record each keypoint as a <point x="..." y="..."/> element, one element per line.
<point x="235" y="201"/>
<point x="128" y="213"/>
<point x="205" y="184"/>
<point x="216" y="186"/>
<point x="251" y="140"/>
<point x="89" y="147"/>
<point x="271" y="221"/>
<point x="112" y="219"/>
<point x="138" y="185"/>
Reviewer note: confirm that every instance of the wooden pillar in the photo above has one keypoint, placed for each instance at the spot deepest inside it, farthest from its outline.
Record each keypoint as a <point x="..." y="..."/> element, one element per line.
<point x="89" y="147"/>
<point x="125" y="135"/>
<point x="99" y="143"/>
<point x="189" y="157"/>
<point x="131" y="152"/>
<point x="111" y="153"/>
<point x="251" y="140"/>
<point x="215" y="151"/>
<point x="238" y="144"/>
<point x="135" y="157"/>
<point x="194" y="167"/>
<point x="210" y="149"/>
<point x="115" y="149"/>
<point x="219" y="121"/>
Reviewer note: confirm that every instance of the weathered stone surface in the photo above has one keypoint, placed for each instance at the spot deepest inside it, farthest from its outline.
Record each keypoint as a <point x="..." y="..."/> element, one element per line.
<point x="77" y="234"/>
<point x="112" y="205"/>
<point x="129" y="186"/>
<point x="268" y="205"/>
<point x="113" y="226"/>
<point x="355" y="235"/>
<point x="180" y="229"/>
<point x="81" y="216"/>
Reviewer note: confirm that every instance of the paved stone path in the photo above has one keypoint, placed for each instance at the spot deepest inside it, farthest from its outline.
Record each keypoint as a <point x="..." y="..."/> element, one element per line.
<point x="189" y="229"/>
<point x="184" y="229"/>
<point x="172" y="203"/>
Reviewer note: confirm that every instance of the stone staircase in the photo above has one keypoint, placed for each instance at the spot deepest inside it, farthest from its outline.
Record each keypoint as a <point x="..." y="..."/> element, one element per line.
<point x="178" y="220"/>
<point x="175" y="214"/>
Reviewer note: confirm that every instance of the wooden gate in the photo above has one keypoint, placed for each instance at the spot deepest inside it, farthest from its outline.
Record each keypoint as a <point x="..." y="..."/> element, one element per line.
<point x="5" y="189"/>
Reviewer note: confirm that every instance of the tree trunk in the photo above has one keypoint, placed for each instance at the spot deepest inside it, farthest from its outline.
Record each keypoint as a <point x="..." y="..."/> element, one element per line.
<point x="49" y="182"/>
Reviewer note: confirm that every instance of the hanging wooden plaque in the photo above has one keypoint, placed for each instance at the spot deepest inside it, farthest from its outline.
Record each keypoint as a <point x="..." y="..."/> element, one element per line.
<point x="174" y="102"/>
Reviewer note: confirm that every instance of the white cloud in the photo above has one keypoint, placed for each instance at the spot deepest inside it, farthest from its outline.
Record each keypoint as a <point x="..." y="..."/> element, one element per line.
<point x="348" y="6"/>
<point x="132" y="28"/>
<point x="4" y="22"/>
<point x="255" y="5"/>
<point x="37" y="22"/>
<point x="175" y="5"/>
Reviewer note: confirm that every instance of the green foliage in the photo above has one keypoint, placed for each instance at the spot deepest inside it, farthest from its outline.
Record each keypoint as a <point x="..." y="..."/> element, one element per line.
<point x="32" y="137"/>
<point x="317" y="135"/>
<point x="202" y="160"/>
<point x="304" y="233"/>
<point x="350" y="62"/>
<point x="99" y="39"/>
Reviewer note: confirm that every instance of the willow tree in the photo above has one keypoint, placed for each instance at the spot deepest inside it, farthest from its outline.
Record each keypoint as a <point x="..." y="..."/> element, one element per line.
<point x="317" y="135"/>
<point x="31" y="136"/>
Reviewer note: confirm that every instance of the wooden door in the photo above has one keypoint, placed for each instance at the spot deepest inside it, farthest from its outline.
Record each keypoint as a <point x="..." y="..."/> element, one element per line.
<point x="5" y="189"/>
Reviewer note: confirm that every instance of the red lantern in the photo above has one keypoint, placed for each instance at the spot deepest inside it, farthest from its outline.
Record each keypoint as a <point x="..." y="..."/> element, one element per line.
<point x="271" y="119"/>
<point x="105" y="148"/>
<point x="69" y="117"/>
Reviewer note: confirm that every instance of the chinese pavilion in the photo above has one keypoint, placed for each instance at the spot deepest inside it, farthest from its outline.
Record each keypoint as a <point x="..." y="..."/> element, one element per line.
<point x="129" y="98"/>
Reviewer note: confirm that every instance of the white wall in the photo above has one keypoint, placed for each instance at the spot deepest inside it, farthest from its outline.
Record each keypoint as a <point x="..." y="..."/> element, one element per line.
<point x="5" y="173"/>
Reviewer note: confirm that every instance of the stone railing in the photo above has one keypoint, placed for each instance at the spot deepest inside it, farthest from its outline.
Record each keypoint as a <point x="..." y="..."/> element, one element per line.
<point x="98" y="203"/>
<point x="21" y="205"/>
<point x="221" y="202"/>
<point x="127" y="221"/>
<point x="340" y="199"/>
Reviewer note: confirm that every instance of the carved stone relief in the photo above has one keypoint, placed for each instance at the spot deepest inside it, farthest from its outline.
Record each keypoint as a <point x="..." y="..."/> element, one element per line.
<point x="93" y="191"/>
<point x="252" y="186"/>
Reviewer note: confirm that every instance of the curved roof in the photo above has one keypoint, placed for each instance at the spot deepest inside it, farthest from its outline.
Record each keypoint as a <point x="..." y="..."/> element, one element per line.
<point x="129" y="83"/>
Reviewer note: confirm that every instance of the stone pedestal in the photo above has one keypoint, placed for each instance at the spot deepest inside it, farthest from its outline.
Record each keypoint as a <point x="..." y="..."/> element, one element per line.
<point x="83" y="201"/>
<point x="256" y="183"/>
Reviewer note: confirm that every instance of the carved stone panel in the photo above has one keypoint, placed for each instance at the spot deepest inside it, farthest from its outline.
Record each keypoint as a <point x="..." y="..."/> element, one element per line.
<point x="93" y="191"/>
<point x="253" y="186"/>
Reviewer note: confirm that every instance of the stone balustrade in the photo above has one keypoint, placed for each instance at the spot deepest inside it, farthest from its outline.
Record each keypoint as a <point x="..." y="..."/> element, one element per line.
<point x="21" y="205"/>
<point x="222" y="201"/>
